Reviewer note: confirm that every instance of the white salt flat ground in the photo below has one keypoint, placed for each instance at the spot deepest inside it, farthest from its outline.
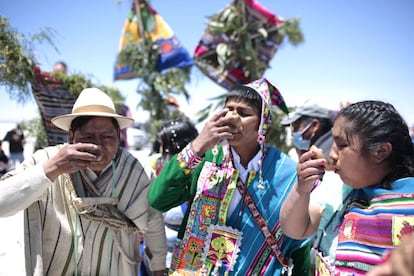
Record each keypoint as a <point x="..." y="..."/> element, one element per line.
<point x="12" y="246"/>
<point x="11" y="228"/>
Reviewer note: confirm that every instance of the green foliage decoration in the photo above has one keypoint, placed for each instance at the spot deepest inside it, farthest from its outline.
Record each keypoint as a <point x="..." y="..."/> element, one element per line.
<point x="154" y="87"/>
<point x="244" y="35"/>
<point x="75" y="83"/>
<point x="240" y="48"/>
<point x="19" y="72"/>
<point x="16" y="59"/>
<point x="36" y="129"/>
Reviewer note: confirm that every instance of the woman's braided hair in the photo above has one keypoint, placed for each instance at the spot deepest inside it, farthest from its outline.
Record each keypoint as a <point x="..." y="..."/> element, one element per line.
<point x="375" y="123"/>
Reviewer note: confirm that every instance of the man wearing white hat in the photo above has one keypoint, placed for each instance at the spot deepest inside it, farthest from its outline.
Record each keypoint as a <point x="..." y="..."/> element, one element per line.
<point x="85" y="202"/>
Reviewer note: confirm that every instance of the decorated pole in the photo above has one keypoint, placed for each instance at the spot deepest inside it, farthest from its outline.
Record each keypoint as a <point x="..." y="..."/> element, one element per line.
<point x="140" y="24"/>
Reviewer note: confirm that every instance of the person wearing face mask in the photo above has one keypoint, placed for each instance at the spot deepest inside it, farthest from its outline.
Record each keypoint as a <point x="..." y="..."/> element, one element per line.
<point x="373" y="153"/>
<point x="311" y="125"/>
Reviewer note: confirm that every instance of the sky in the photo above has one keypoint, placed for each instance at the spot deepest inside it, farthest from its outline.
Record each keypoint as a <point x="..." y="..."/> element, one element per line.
<point x="353" y="50"/>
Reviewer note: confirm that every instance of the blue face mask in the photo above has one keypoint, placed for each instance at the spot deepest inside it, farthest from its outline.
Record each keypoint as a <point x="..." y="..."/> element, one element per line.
<point x="298" y="140"/>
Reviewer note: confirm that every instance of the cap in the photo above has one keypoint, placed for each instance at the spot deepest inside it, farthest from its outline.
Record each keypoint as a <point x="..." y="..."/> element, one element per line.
<point x="308" y="109"/>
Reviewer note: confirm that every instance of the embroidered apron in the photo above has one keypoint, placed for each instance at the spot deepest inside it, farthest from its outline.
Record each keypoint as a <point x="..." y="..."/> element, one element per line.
<point x="208" y="243"/>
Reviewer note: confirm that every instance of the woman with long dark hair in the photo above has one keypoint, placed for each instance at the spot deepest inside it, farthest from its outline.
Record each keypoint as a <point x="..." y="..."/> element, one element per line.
<point x="374" y="155"/>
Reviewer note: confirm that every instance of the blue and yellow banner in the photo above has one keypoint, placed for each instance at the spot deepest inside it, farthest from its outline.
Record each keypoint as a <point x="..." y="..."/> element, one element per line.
<point x="173" y="54"/>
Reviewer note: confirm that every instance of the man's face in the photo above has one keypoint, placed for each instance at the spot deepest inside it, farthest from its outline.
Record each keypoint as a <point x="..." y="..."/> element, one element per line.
<point x="60" y="68"/>
<point x="303" y="128"/>
<point x="299" y="126"/>
<point x="102" y="132"/>
<point x="250" y="119"/>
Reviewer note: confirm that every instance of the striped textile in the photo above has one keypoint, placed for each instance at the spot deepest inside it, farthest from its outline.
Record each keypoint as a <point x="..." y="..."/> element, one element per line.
<point x="60" y="241"/>
<point x="53" y="100"/>
<point x="374" y="223"/>
<point x="205" y="57"/>
<point x="256" y="258"/>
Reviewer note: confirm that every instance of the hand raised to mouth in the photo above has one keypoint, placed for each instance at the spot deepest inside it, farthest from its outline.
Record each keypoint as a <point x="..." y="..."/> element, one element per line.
<point x="319" y="155"/>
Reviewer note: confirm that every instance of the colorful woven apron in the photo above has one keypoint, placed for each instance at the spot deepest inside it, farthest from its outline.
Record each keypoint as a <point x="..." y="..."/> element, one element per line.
<point x="208" y="243"/>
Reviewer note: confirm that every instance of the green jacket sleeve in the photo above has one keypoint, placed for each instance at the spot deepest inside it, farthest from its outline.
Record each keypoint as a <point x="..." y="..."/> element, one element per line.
<point x="301" y="261"/>
<point x="175" y="184"/>
<point x="171" y="187"/>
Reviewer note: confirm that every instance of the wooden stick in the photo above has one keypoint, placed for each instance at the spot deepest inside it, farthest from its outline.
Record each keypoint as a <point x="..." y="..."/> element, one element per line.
<point x="140" y="24"/>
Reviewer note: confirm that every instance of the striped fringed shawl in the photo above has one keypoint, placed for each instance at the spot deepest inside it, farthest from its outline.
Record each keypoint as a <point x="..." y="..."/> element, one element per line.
<point x="52" y="223"/>
<point x="373" y="223"/>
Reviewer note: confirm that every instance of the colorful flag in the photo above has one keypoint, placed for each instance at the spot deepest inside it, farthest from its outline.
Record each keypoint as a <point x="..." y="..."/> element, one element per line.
<point x="173" y="54"/>
<point x="205" y="54"/>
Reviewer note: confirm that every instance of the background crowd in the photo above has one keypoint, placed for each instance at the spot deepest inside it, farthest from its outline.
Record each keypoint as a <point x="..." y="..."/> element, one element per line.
<point x="204" y="186"/>
<point x="223" y="198"/>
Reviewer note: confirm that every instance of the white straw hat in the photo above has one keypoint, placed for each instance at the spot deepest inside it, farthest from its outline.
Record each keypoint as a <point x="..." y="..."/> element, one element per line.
<point x="91" y="102"/>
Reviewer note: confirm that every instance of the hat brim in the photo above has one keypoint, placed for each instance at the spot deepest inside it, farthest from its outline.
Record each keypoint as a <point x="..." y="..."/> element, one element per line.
<point x="64" y="121"/>
<point x="291" y="118"/>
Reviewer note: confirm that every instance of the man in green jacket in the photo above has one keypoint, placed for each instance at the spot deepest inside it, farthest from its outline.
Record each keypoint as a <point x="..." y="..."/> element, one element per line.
<point x="235" y="185"/>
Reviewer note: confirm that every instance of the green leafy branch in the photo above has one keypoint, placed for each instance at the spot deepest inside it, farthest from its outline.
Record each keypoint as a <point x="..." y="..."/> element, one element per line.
<point x="154" y="86"/>
<point x="16" y="59"/>
<point x="240" y="39"/>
